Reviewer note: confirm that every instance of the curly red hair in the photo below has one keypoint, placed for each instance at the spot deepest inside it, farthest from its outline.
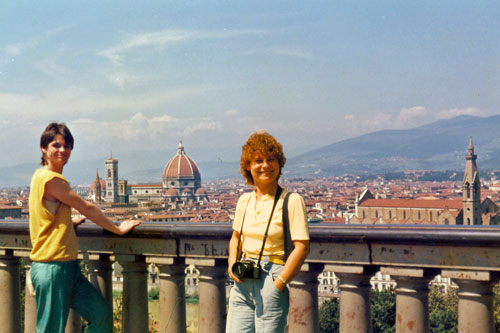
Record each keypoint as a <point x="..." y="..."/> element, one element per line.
<point x="260" y="143"/>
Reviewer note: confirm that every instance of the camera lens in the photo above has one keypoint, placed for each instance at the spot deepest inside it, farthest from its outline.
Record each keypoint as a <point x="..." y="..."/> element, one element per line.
<point x="238" y="270"/>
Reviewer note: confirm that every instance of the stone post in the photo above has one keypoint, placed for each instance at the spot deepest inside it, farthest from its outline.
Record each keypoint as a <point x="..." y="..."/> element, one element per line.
<point x="10" y="303"/>
<point x="412" y="305"/>
<point x="303" y="315"/>
<point x="354" y="298"/>
<point x="212" y="294"/>
<point x="135" y="293"/>
<point x="172" y="305"/>
<point x="475" y="300"/>
<point x="100" y="275"/>
<point x="29" y="301"/>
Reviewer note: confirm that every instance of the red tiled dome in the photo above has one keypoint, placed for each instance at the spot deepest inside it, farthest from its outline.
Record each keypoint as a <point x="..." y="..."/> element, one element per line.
<point x="180" y="167"/>
<point x="94" y="185"/>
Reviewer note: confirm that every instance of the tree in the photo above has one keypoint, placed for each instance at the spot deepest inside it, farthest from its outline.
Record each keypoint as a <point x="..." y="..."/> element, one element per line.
<point x="443" y="309"/>
<point x="383" y="310"/>
<point x="329" y="314"/>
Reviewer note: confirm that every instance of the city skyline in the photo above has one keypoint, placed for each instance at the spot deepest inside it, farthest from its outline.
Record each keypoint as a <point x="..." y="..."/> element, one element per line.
<point x="133" y="77"/>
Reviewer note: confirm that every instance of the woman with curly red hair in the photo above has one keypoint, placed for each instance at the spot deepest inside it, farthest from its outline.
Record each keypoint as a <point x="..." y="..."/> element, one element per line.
<point x="259" y="300"/>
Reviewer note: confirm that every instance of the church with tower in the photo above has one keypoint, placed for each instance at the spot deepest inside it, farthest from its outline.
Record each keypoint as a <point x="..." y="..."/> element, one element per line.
<point x="470" y="210"/>
<point x="181" y="184"/>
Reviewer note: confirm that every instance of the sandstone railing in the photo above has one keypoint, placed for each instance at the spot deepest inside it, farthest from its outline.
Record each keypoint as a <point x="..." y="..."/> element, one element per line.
<point x="412" y="255"/>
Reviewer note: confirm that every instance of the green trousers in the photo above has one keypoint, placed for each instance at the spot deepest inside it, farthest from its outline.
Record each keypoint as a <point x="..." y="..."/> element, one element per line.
<point x="60" y="286"/>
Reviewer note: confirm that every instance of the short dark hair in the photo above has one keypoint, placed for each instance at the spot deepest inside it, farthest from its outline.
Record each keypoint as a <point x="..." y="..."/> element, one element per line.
<point x="50" y="133"/>
<point x="264" y="144"/>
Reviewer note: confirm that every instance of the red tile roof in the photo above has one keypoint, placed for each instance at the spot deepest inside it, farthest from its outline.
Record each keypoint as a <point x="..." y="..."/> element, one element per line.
<point x="404" y="203"/>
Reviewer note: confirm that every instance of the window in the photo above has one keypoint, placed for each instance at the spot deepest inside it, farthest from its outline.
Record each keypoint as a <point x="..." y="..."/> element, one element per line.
<point x="404" y="215"/>
<point x="376" y="213"/>
<point x="419" y="215"/>
<point x="390" y="214"/>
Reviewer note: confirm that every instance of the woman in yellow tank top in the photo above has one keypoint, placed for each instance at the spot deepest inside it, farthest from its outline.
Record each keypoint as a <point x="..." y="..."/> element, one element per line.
<point x="58" y="282"/>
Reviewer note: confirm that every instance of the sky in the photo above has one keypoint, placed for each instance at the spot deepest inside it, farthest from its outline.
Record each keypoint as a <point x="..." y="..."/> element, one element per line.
<point x="129" y="76"/>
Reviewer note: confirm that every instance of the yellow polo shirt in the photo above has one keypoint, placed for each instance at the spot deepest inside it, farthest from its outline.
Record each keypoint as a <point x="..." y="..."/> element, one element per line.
<point x="52" y="236"/>
<point x="257" y="217"/>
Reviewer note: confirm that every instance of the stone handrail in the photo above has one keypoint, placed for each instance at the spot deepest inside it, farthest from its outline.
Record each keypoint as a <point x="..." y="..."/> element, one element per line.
<point x="412" y="255"/>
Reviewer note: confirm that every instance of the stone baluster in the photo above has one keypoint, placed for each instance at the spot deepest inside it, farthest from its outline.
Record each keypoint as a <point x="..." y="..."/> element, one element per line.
<point x="10" y="306"/>
<point x="303" y="315"/>
<point x="354" y="297"/>
<point x="172" y="307"/>
<point x="475" y="300"/>
<point x="212" y="294"/>
<point x="412" y="290"/>
<point x="135" y="293"/>
<point x="100" y="275"/>
<point x="29" y="301"/>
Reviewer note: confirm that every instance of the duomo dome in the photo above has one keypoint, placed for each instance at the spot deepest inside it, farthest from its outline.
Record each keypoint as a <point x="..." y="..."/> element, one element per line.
<point x="181" y="178"/>
<point x="181" y="171"/>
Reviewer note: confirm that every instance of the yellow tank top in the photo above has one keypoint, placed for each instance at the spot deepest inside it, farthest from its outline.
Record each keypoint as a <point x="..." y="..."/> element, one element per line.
<point x="52" y="236"/>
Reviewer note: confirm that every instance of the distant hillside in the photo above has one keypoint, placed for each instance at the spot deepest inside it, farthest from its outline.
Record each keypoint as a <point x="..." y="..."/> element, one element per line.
<point x="437" y="146"/>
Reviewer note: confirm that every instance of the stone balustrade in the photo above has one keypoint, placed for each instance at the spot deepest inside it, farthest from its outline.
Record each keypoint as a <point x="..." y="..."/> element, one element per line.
<point x="411" y="255"/>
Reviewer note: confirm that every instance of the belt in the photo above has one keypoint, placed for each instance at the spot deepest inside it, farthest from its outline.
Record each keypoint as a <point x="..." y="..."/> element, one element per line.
<point x="274" y="259"/>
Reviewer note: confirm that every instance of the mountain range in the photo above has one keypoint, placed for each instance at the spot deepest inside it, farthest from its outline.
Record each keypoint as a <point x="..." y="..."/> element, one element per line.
<point x="440" y="145"/>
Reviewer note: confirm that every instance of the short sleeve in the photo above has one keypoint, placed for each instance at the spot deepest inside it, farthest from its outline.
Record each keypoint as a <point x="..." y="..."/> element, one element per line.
<point x="297" y="214"/>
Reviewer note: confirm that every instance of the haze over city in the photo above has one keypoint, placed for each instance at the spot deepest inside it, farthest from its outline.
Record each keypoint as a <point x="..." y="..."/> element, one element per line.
<point x="135" y="76"/>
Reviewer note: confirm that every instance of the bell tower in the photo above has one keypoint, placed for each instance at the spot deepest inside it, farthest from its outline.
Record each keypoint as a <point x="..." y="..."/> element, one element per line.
<point x="471" y="189"/>
<point x="112" y="179"/>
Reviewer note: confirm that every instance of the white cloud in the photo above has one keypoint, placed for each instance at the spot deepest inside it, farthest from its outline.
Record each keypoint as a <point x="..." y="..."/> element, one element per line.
<point x="80" y="101"/>
<point x="166" y="38"/>
<point x="232" y="113"/>
<point x="412" y="117"/>
<point x="17" y="49"/>
<point x="349" y="117"/>
<point x="450" y="113"/>
<point x="202" y="126"/>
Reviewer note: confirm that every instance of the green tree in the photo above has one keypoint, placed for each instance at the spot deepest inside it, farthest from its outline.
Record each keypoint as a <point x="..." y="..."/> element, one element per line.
<point x="443" y="309"/>
<point x="383" y="310"/>
<point x="329" y="314"/>
<point x="496" y="306"/>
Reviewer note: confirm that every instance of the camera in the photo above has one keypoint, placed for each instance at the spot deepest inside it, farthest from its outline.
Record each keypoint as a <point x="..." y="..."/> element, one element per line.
<point x="246" y="269"/>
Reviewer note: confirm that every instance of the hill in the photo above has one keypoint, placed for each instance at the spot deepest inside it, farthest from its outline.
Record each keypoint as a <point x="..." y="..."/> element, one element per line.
<point x="439" y="145"/>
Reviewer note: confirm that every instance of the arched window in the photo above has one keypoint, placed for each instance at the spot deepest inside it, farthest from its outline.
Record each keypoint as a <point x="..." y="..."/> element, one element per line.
<point x="468" y="221"/>
<point x="390" y="214"/>
<point x="467" y="189"/>
<point x="404" y="214"/>
<point x="376" y="213"/>
<point x="364" y="214"/>
<point x="419" y="215"/>
<point x="446" y="221"/>
<point x="430" y="215"/>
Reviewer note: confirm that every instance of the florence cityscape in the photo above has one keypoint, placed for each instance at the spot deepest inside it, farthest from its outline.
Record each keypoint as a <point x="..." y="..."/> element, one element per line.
<point x="388" y="114"/>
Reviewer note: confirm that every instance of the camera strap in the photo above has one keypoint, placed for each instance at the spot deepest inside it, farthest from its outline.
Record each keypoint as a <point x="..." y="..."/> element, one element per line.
<point x="276" y="197"/>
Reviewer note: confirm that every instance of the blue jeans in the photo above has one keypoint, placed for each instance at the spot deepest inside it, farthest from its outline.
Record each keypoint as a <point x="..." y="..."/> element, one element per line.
<point x="256" y="305"/>
<point x="60" y="286"/>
